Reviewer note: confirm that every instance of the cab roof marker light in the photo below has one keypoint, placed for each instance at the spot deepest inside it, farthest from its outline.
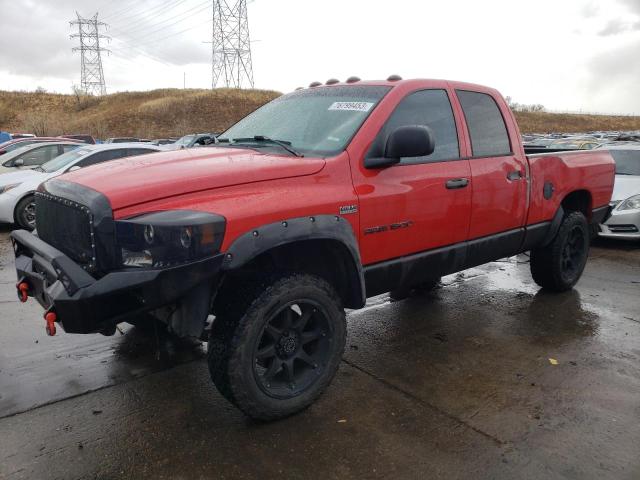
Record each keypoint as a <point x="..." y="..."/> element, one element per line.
<point x="394" y="78"/>
<point x="353" y="79"/>
<point x="315" y="84"/>
<point x="332" y="81"/>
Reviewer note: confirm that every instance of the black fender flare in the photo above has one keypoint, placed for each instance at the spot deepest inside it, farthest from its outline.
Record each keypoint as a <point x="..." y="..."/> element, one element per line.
<point x="554" y="227"/>
<point x="261" y="239"/>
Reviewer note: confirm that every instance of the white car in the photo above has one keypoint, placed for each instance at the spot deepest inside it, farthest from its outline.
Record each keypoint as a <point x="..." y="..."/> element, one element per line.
<point x="34" y="154"/>
<point x="17" y="203"/>
<point x="624" y="220"/>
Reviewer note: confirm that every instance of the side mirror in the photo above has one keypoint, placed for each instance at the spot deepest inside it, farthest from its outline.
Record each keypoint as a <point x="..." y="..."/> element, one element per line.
<point x="405" y="141"/>
<point x="18" y="163"/>
<point x="74" y="168"/>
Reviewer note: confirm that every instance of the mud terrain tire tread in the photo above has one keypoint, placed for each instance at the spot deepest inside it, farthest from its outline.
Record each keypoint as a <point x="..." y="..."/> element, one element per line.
<point x="233" y="331"/>
<point x="546" y="262"/>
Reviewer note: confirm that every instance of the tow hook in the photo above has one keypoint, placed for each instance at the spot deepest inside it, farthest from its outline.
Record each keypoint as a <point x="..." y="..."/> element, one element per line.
<point x="50" y="318"/>
<point x="23" y="291"/>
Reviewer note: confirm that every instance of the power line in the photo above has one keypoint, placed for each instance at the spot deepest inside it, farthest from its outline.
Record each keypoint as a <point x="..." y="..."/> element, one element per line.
<point x="141" y="19"/>
<point x="157" y="27"/>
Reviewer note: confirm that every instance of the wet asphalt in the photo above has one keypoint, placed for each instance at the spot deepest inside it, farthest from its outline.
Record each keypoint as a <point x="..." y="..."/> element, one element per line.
<point x="457" y="383"/>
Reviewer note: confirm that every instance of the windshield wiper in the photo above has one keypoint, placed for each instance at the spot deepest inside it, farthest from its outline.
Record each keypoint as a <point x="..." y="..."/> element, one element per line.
<point x="261" y="138"/>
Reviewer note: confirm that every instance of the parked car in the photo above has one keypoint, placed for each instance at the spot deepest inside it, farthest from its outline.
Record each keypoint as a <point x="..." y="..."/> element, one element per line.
<point x="34" y="155"/>
<point x="17" y="189"/>
<point x="122" y="140"/>
<point x="540" y="142"/>
<point x="200" y="139"/>
<point x="164" y="141"/>
<point x="312" y="203"/>
<point x="573" y="144"/>
<point x="12" y="144"/>
<point x="624" y="221"/>
<point x="83" y="137"/>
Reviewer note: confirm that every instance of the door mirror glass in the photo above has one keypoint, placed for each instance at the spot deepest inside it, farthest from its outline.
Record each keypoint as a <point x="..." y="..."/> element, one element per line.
<point x="405" y="141"/>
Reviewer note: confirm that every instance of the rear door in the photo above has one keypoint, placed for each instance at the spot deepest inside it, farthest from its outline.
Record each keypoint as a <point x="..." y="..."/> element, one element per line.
<point x="411" y="207"/>
<point x="499" y="198"/>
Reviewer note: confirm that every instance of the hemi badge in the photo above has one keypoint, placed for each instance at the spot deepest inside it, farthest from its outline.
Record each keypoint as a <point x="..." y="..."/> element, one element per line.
<point x="347" y="209"/>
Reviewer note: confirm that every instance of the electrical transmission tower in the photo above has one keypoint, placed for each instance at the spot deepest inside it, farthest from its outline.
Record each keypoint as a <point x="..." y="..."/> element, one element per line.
<point x="230" y="45"/>
<point x="91" y="74"/>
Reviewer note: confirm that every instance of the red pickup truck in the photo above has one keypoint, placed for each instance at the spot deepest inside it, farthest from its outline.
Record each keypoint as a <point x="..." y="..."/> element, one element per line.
<point x="309" y="205"/>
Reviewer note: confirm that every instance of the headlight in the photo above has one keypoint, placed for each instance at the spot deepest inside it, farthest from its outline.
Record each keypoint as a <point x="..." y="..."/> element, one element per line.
<point x="6" y="188"/>
<point x="631" y="203"/>
<point x="163" y="239"/>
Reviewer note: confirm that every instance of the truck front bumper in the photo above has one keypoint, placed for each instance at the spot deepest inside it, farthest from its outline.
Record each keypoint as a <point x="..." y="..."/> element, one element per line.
<point x="84" y="304"/>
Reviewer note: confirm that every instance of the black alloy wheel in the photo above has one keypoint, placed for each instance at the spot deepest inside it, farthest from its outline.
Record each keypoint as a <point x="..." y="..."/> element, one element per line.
<point x="293" y="350"/>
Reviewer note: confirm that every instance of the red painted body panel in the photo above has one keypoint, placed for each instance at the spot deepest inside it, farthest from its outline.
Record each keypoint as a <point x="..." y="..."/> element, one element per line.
<point x="569" y="172"/>
<point x="170" y="174"/>
<point x="251" y="189"/>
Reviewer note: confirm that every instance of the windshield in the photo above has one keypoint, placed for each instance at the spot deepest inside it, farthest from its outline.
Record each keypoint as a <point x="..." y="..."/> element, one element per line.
<point x="627" y="161"/>
<point x="16" y="145"/>
<point x="64" y="160"/>
<point x="186" y="140"/>
<point x="315" y="121"/>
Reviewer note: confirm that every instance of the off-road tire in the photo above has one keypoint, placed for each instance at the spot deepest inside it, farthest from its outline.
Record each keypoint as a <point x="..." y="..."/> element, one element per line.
<point x="402" y="293"/>
<point x="241" y="316"/>
<point x="21" y="213"/>
<point x="549" y="263"/>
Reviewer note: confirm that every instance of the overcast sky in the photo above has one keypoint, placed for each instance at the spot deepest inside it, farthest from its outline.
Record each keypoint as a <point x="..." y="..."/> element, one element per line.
<point x="565" y="54"/>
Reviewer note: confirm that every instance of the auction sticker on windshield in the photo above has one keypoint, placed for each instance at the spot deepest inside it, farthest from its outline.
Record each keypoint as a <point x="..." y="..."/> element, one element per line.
<point x="351" y="106"/>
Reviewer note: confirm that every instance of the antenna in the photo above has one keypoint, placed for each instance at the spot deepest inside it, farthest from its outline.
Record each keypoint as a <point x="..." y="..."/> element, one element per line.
<point x="230" y="45"/>
<point x="91" y="73"/>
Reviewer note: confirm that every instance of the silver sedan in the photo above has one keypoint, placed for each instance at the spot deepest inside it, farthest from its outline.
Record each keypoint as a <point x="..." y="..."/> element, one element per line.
<point x="624" y="221"/>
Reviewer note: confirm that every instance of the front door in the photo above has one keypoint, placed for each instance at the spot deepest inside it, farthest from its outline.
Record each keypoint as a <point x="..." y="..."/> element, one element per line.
<point x="422" y="203"/>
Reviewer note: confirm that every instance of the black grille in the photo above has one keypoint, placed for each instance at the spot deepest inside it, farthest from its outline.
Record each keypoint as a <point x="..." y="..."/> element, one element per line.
<point x="67" y="226"/>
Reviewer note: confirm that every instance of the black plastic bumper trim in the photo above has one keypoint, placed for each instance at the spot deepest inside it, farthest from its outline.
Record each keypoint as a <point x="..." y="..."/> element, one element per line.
<point x="91" y="305"/>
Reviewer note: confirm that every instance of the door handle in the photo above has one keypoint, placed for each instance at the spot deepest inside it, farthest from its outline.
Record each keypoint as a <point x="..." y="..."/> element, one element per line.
<point x="457" y="183"/>
<point x="514" y="175"/>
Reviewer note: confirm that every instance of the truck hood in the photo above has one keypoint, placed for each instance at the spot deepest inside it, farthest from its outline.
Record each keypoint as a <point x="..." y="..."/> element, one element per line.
<point x="145" y="178"/>
<point x="625" y="186"/>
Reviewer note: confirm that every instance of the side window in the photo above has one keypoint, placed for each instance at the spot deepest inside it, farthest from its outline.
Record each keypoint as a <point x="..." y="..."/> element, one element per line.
<point x="68" y="148"/>
<point x="39" y="155"/>
<point x="103" y="156"/>
<point x="431" y="108"/>
<point x="488" y="132"/>
<point x="131" y="152"/>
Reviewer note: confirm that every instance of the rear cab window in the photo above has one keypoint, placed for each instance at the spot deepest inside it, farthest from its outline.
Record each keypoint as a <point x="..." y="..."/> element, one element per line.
<point x="487" y="129"/>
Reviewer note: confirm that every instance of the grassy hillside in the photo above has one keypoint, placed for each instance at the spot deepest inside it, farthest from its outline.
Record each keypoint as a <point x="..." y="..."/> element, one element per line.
<point x="153" y="114"/>
<point x="542" y="122"/>
<point x="174" y="112"/>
